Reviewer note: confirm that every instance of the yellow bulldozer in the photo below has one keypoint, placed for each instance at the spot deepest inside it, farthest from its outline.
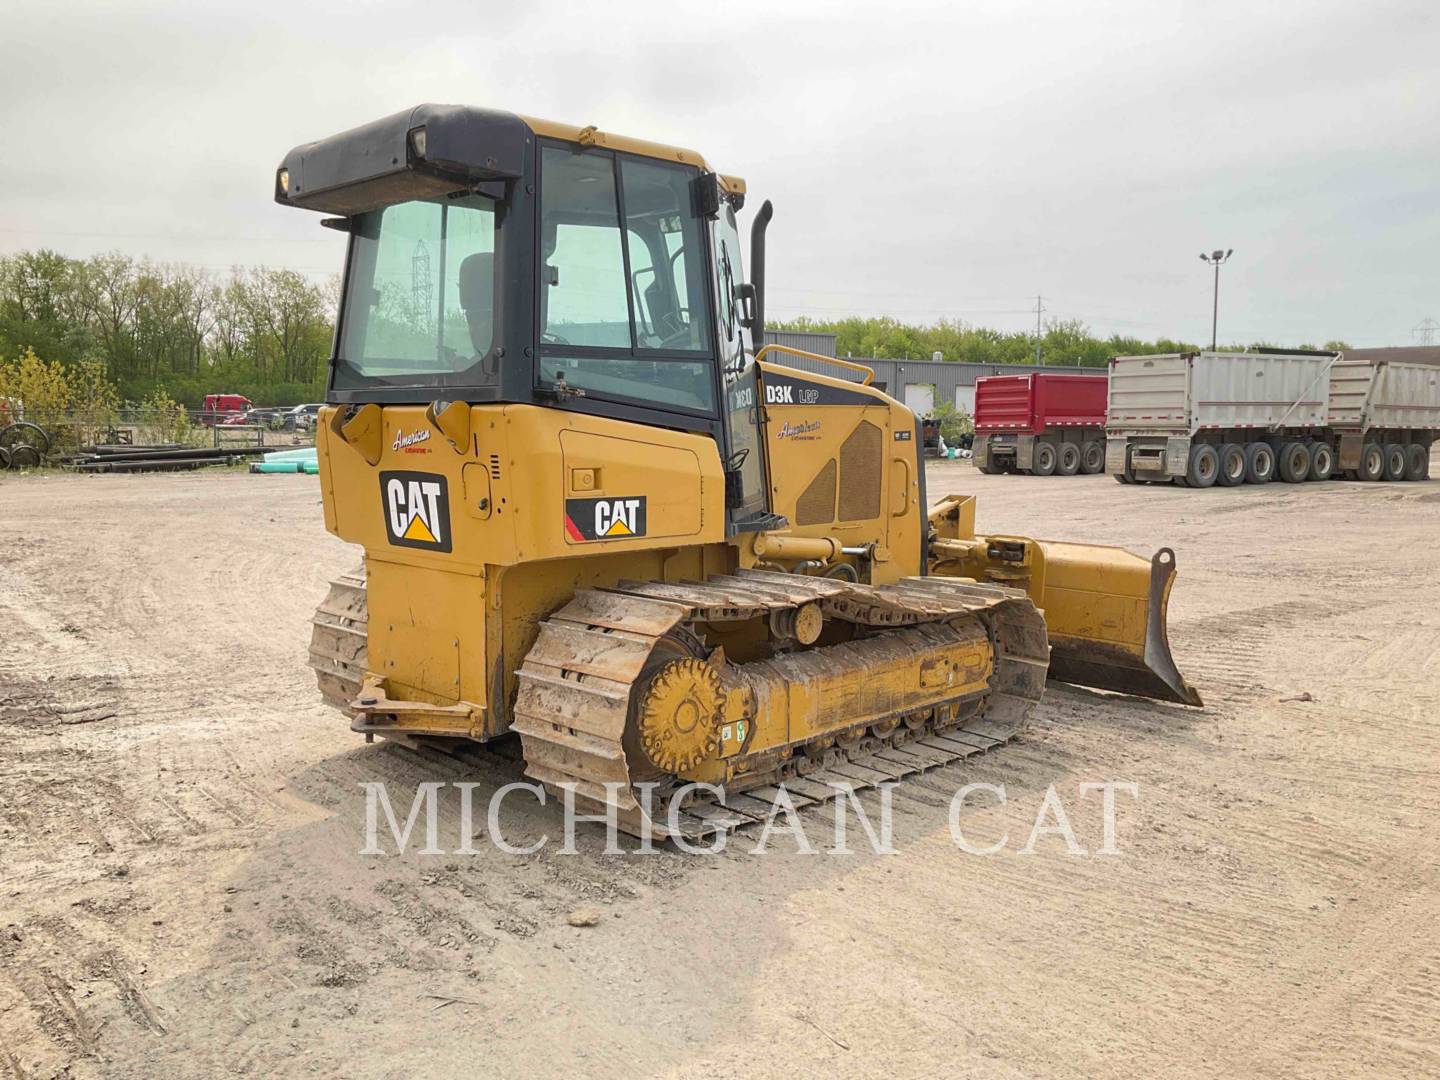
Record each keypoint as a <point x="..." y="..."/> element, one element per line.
<point x="599" y="512"/>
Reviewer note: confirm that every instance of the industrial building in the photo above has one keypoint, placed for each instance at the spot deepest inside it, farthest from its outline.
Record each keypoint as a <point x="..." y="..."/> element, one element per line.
<point x="920" y="384"/>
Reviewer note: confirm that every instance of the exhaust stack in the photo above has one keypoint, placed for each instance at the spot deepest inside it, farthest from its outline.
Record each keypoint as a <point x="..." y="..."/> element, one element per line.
<point x="757" y="270"/>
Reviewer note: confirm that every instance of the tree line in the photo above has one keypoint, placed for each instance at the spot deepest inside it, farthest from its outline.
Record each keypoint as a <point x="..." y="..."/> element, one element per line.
<point x="1062" y="341"/>
<point x="175" y="328"/>
<point x="182" y="332"/>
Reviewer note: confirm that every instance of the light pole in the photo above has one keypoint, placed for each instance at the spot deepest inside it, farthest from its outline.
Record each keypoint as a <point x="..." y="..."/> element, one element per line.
<point x="1216" y="258"/>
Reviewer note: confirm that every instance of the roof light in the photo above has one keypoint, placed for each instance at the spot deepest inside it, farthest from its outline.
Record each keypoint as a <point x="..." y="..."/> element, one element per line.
<point x="417" y="142"/>
<point x="284" y="180"/>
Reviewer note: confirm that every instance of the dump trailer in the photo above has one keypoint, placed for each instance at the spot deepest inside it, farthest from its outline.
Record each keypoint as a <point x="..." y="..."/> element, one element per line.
<point x="1383" y="419"/>
<point x="1040" y="424"/>
<point x="1223" y="418"/>
<point x="599" y="513"/>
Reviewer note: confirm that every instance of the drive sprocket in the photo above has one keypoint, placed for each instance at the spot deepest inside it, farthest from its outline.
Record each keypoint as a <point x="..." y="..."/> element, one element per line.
<point x="680" y="715"/>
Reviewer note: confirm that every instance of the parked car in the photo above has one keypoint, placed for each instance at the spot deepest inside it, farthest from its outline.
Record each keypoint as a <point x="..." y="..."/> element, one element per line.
<point x="301" y="417"/>
<point x="266" y="417"/>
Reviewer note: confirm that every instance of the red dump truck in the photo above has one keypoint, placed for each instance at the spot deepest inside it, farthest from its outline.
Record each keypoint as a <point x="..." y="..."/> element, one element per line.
<point x="1040" y="423"/>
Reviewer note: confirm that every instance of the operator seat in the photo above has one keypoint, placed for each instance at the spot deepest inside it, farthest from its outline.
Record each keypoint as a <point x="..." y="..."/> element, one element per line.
<point x="477" y="299"/>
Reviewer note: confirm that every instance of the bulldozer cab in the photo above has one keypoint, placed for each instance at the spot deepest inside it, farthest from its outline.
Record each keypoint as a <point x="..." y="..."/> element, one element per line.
<point x="493" y="260"/>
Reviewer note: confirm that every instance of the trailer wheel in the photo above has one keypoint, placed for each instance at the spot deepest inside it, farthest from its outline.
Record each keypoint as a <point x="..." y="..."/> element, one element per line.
<point x="1259" y="463"/>
<point x="1092" y="457"/>
<point x="1069" y="463"/>
<point x="1045" y="459"/>
<point x="4" y="458"/>
<point x="1417" y="461"/>
<point x="1395" y="461"/>
<point x="1294" y="463"/>
<point x="1322" y="461"/>
<point x="1372" y="463"/>
<point x="24" y="456"/>
<point x="1232" y="465"/>
<point x="23" y="432"/>
<point x="1204" y="466"/>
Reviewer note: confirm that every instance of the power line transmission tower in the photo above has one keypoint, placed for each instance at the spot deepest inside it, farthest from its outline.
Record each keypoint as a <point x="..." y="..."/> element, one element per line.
<point x="421" y="295"/>
<point x="1039" y="310"/>
<point x="1425" y="332"/>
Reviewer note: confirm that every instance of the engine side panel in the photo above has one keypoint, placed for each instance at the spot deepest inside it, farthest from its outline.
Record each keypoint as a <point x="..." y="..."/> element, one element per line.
<point x="844" y="463"/>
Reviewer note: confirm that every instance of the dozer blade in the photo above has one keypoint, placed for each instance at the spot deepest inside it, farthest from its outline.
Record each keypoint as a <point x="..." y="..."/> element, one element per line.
<point x="1106" y="612"/>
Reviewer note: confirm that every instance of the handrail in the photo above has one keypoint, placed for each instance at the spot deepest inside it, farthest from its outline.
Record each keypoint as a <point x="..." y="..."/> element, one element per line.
<point x="868" y="372"/>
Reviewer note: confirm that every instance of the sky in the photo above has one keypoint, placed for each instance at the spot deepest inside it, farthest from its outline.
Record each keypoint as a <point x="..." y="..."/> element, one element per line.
<point x="925" y="160"/>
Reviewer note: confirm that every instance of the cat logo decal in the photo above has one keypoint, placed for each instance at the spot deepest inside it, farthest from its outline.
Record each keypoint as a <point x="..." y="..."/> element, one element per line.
<point x="417" y="510"/>
<point x="604" y="519"/>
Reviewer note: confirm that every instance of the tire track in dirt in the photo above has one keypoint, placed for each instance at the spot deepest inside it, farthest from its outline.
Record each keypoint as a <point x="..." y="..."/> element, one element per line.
<point x="51" y="966"/>
<point x="245" y="807"/>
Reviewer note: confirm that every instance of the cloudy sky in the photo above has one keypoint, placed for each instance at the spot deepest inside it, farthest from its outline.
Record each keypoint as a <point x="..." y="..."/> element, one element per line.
<point x="925" y="159"/>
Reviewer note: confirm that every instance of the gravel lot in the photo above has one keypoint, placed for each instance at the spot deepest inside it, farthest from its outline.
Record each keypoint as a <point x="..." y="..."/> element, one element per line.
<point x="180" y="819"/>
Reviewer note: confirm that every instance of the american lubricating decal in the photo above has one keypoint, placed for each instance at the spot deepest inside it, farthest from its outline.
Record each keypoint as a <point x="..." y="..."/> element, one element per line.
<point x="410" y="443"/>
<point x="801" y="431"/>
<point x="417" y="510"/>
<point x="604" y="519"/>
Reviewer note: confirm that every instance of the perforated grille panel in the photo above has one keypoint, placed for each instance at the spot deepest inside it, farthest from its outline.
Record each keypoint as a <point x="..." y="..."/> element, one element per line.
<point x="816" y="504"/>
<point x="861" y="459"/>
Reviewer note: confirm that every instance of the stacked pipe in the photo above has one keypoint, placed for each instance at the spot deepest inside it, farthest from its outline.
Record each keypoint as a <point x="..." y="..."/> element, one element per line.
<point x="304" y="460"/>
<point x="163" y="457"/>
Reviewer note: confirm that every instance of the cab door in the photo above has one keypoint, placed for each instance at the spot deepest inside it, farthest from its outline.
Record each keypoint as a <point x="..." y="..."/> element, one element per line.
<point x="746" y="495"/>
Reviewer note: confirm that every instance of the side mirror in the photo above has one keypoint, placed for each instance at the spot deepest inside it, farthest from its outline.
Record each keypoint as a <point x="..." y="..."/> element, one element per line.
<point x="746" y="295"/>
<point x="708" y="196"/>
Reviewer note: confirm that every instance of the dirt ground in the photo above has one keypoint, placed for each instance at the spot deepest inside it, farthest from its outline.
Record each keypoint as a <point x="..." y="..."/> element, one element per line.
<point x="181" y="889"/>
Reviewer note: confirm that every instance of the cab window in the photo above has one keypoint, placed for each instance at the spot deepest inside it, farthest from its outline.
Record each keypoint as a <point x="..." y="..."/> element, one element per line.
<point x="583" y="299"/>
<point x="420" y="300"/>
<point x="667" y="268"/>
<point x="624" y="303"/>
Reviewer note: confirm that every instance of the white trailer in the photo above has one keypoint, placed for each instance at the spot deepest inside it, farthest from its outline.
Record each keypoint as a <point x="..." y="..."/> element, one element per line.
<point x="1384" y="418"/>
<point x="1208" y="418"/>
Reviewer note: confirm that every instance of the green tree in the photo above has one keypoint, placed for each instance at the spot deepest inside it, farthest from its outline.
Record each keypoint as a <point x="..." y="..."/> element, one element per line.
<point x="35" y="389"/>
<point x="94" y="401"/>
<point x="954" y="422"/>
<point x="162" y="419"/>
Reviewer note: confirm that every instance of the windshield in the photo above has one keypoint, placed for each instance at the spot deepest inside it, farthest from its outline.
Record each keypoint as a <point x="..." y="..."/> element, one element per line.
<point x="421" y="298"/>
